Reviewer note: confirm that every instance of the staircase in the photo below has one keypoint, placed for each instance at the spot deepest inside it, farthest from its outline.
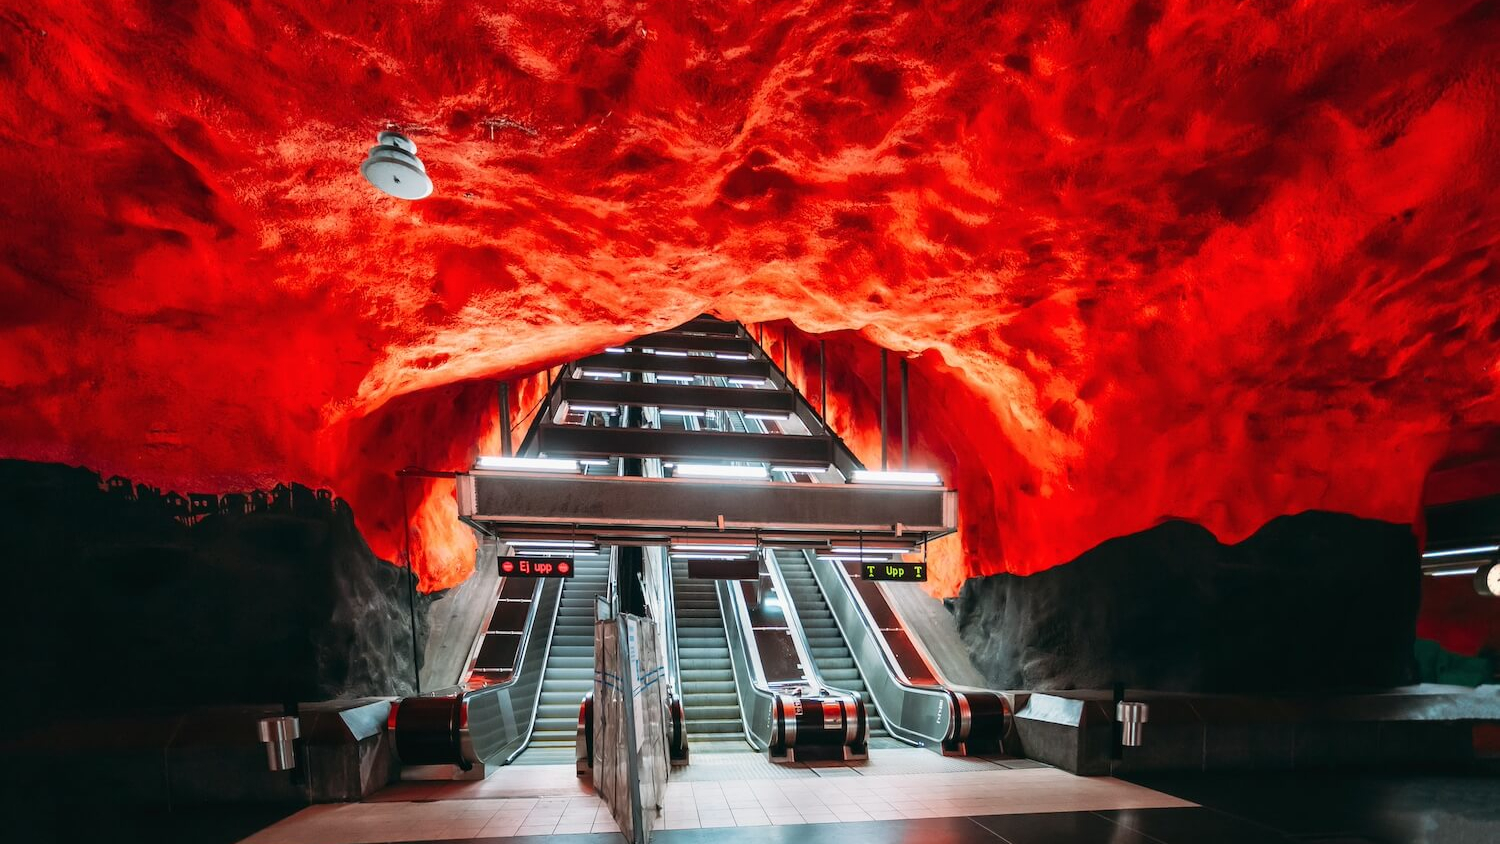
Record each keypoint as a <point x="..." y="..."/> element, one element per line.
<point x="824" y="641"/>
<point x="569" y="674"/>
<point x="709" y="702"/>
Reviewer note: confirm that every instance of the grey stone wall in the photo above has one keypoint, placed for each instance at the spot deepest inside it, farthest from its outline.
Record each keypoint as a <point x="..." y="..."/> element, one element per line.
<point x="1311" y="602"/>
<point x="150" y="605"/>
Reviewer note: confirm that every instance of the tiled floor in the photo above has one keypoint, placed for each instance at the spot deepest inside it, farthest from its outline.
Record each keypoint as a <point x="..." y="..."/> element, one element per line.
<point x="837" y="794"/>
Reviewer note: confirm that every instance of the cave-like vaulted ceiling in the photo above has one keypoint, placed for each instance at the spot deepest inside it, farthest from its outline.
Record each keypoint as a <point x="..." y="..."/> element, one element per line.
<point x="1212" y="260"/>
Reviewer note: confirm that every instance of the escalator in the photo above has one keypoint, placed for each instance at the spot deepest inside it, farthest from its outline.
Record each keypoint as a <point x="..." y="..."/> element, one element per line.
<point x="569" y="673"/>
<point x="709" y="700"/>
<point x="824" y="640"/>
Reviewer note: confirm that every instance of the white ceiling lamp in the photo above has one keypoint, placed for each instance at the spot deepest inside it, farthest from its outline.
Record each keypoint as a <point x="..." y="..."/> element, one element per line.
<point x="678" y="379"/>
<point x="528" y="464"/>
<point x="672" y="411"/>
<point x="865" y="476"/>
<point x="600" y="373"/>
<point x="548" y="543"/>
<point x="593" y="408"/>
<point x="715" y="470"/>
<point x="769" y="417"/>
<point x="747" y="382"/>
<point x="810" y="470"/>
<point x="393" y="167"/>
<point x="1460" y="552"/>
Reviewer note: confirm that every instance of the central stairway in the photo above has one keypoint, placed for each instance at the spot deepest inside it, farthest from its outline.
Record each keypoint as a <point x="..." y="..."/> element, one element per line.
<point x="824" y="640"/>
<point x="570" y="666"/>
<point x="710" y="705"/>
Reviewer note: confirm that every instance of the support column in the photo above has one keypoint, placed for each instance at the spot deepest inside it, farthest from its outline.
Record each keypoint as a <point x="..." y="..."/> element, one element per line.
<point x="884" y="462"/>
<point x="505" y="419"/>
<point x="823" y="379"/>
<point x="905" y="439"/>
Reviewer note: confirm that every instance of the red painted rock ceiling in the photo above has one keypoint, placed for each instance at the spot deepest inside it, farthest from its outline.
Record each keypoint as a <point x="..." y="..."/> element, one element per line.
<point x="1211" y="260"/>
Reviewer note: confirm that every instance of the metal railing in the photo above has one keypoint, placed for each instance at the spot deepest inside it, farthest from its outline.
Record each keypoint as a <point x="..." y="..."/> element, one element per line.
<point x="755" y="697"/>
<point x="490" y="725"/>
<point x="916" y="713"/>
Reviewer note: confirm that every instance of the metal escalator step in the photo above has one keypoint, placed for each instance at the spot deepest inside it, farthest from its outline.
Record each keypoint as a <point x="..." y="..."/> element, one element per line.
<point x="693" y="699"/>
<point x="719" y="725"/>
<point x="711" y="713"/>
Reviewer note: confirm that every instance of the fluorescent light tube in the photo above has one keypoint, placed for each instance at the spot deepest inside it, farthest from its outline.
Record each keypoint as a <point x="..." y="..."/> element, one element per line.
<point x="710" y="556"/>
<point x="810" y="470"/>
<point x="729" y="356"/>
<point x="771" y="417"/>
<point x="865" y="476"/>
<point x="852" y="558"/>
<point x="1458" y="552"/>
<point x="715" y="470"/>
<point x="616" y="350"/>
<point x="593" y="461"/>
<point x="600" y="373"/>
<point x="680" y="379"/>
<point x="1451" y="572"/>
<point x="667" y="411"/>
<point x="594" y="408"/>
<point x="527" y="464"/>
<point x="744" y="548"/>
<point x="871" y="550"/>
<point x="668" y="353"/>
<point x="549" y="543"/>
<point x="747" y="382"/>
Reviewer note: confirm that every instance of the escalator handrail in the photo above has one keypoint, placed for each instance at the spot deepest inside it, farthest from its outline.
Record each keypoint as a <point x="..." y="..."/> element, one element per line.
<point x="749" y="677"/>
<point x="794" y="625"/>
<point x="846" y="601"/>
<point x="524" y="665"/>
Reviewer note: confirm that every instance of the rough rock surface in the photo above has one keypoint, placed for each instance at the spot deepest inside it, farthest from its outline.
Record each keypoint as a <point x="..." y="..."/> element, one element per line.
<point x="284" y="604"/>
<point x="1217" y="261"/>
<point x="1310" y="602"/>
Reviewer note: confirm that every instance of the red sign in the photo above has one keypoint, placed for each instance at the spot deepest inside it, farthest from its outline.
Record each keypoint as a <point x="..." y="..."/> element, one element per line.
<point x="536" y="567"/>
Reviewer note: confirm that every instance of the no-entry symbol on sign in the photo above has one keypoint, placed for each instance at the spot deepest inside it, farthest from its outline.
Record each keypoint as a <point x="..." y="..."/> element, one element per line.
<point x="535" y="567"/>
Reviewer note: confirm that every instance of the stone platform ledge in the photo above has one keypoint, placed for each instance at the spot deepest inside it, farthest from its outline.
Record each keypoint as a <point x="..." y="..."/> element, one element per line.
<point x="212" y="755"/>
<point x="1427" y="725"/>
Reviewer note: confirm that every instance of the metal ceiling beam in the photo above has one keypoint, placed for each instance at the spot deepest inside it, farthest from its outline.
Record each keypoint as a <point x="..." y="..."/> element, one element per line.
<point x="674" y="340"/>
<point x="674" y="395"/>
<point x="578" y="441"/>
<point x="638" y="362"/>
<point x="653" y="509"/>
<point x="709" y="325"/>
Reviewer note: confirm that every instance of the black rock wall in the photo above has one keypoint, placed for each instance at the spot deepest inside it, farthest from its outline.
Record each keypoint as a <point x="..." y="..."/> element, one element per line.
<point x="125" y="593"/>
<point x="1315" y="601"/>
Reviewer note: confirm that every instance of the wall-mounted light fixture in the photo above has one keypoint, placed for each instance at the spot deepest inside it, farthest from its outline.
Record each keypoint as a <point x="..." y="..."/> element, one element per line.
<point x="394" y="168"/>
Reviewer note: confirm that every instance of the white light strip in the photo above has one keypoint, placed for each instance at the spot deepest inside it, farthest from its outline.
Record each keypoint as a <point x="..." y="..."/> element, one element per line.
<point x="1458" y="552"/>
<point x="711" y="557"/>
<point x="527" y="464"/>
<point x="1450" y="572"/>
<point x="593" y="461"/>
<point x="593" y="408"/>
<point x="616" y="350"/>
<point x="668" y="411"/>
<point x="549" y="543"/>
<point x="680" y="379"/>
<point x="747" y="382"/>
<point x="600" y="373"/>
<point x="714" y="470"/>
<point x="809" y="470"/>
<point x="668" y="353"/>
<point x="729" y="356"/>
<point x="865" y="476"/>
<point x="872" y="550"/>
<point x="852" y="558"/>
<point x="691" y="547"/>
<point x="770" y="417"/>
